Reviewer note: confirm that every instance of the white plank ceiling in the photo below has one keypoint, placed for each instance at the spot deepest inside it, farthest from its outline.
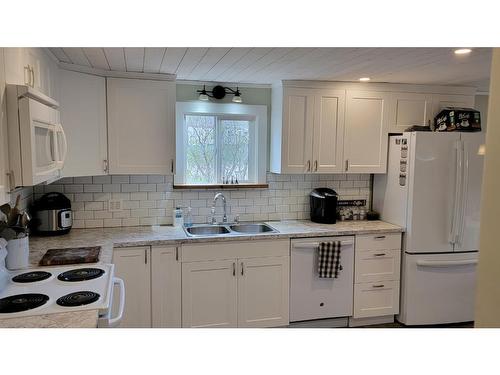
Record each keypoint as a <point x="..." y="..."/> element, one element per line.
<point x="268" y="65"/>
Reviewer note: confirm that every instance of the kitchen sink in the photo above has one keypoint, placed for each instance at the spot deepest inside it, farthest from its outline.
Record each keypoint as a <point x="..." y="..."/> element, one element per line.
<point x="252" y="228"/>
<point x="228" y="229"/>
<point x="207" y="230"/>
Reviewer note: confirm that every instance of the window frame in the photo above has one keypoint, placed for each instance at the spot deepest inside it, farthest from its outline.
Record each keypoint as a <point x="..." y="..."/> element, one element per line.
<point x="258" y="133"/>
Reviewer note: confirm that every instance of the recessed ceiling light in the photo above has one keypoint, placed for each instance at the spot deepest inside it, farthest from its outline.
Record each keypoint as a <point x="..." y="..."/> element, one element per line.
<point x="462" y="51"/>
<point x="364" y="79"/>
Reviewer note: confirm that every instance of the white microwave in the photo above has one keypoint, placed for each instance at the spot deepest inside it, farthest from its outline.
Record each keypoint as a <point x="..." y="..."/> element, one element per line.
<point x="37" y="143"/>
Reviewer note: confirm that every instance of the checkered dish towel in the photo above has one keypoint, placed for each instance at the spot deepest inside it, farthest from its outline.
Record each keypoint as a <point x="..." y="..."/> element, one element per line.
<point x="329" y="259"/>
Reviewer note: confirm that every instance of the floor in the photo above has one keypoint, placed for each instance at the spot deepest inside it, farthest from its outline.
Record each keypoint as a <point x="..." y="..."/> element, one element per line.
<point x="399" y="325"/>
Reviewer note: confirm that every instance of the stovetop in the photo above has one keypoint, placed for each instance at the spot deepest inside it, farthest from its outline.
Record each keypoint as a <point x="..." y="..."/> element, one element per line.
<point x="59" y="289"/>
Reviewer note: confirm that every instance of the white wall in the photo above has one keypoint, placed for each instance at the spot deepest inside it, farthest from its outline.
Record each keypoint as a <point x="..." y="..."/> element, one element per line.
<point x="488" y="287"/>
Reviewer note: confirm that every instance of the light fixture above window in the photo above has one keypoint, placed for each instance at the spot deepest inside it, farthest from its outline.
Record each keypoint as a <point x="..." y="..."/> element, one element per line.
<point x="364" y="79"/>
<point x="463" y="51"/>
<point x="219" y="92"/>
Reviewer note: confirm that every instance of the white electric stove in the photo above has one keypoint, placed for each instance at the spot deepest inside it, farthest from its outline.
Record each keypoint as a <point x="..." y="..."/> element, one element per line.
<point x="50" y="290"/>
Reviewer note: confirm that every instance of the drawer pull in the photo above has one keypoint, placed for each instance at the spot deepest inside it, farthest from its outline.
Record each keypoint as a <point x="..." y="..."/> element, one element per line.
<point x="379" y="255"/>
<point x="378" y="237"/>
<point x="378" y="286"/>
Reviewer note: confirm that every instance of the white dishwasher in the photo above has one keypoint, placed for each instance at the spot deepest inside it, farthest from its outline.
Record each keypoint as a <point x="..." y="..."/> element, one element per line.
<point x="312" y="297"/>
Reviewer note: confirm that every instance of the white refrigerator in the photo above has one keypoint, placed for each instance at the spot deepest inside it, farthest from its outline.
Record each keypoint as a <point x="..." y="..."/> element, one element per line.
<point x="433" y="189"/>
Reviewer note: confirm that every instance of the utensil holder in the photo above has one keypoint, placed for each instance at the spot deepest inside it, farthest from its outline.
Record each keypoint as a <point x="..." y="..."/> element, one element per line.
<point x="18" y="252"/>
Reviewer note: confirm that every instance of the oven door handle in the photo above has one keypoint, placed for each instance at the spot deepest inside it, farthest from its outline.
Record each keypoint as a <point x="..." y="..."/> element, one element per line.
<point x="114" y="321"/>
<point x="314" y="245"/>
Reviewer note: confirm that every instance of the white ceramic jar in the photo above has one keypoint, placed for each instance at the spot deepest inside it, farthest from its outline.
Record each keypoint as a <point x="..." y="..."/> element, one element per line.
<point x="18" y="252"/>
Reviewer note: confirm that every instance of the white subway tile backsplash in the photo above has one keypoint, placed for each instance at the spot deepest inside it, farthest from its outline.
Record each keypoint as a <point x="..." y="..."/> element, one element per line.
<point x="149" y="199"/>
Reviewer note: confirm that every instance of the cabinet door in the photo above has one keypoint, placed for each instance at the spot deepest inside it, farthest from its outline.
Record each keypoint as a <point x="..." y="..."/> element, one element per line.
<point x="365" y="144"/>
<point x="298" y="117"/>
<point x="263" y="285"/>
<point x="209" y="296"/>
<point x="328" y="139"/>
<point x="83" y="116"/>
<point x="16" y="66"/>
<point x="165" y="287"/>
<point x="141" y="126"/>
<point x="408" y="109"/>
<point x="376" y="299"/>
<point x="4" y="163"/>
<point x="132" y="265"/>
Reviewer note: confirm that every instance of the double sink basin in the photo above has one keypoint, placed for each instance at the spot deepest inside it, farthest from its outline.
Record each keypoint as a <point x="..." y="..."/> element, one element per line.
<point x="228" y="229"/>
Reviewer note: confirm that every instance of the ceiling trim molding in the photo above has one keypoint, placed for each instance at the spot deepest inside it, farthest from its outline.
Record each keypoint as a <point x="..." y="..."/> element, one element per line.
<point x="116" y="73"/>
<point x="214" y="83"/>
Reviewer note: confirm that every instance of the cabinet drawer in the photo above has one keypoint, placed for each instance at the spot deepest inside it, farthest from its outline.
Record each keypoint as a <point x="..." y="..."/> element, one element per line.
<point x="378" y="241"/>
<point x="376" y="299"/>
<point x="377" y="265"/>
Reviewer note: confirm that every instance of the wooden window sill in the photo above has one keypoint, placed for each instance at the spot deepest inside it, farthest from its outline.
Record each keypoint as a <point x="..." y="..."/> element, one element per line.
<point x="223" y="186"/>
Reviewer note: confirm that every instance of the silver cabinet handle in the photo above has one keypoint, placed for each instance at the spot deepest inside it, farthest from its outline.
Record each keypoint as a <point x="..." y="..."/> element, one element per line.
<point x="33" y="75"/>
<point x="234" y="269"/>
<point x="177" y="253"/>
<point x="27" y="78"/>
<point x="378" y="237"/>
<point x="172" y="165"/>
<point x="379" y="255"/>
<point x="105" y="165"/>
<point x="145" y="256"/>
<point x="308" y="166"/>
<point x="347" y="165"/>
<point x="315" y="166"/>
<point x="11" y="180"/>
<point x="378" y="286"/>
<point x="242" y="269"/>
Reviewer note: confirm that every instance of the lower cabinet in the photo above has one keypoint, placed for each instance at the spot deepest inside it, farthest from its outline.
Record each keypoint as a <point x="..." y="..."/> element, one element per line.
<point x="377" y="275"/>
<point x="243" y="291"/>
<point x="152" y="278"/>
<point x="132" y="265"/>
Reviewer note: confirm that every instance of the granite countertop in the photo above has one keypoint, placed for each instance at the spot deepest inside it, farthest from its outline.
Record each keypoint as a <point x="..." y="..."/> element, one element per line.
<point x="109" y="238"/>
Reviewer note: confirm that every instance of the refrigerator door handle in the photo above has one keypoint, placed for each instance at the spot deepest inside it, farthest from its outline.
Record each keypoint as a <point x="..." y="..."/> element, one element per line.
<point x="463" y="200"/>
<point x="444" y="263"/>
<point x="458" y="189"/>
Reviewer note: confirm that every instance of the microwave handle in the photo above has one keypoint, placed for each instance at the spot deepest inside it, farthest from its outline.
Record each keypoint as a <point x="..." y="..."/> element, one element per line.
<point x="62" y="156"/>
<point x="114" y="321"/>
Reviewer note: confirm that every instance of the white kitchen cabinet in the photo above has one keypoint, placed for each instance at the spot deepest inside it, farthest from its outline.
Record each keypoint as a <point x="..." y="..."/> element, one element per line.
<point x="409" y="109"/>
<point x="141" y="126"/>
<point x="83" y="115"/>
<point x="366" y="130"/>
<point x="376" y="278"/>
<point x="307" y="130"/>
<point x="165" y="287"/>
<point x="132" y="265"/>
<point x="235" y="284"/>
<point x="263" y="293"/>
<point x="4" y="154"/>
<point x="209" y="294"/>
<point x="32" y="67"/>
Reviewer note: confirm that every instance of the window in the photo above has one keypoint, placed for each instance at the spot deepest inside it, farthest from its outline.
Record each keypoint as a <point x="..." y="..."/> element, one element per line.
<point x="220" y="143"/>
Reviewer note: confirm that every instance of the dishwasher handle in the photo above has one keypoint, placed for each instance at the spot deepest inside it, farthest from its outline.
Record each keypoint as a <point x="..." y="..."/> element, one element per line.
<point x="314" y="245"/>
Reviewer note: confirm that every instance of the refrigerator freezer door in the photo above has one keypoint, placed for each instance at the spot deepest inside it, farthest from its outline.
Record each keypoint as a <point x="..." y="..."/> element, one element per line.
<point x="470" y="200"/>
<point x="438" y="288"/>
<point x="432" y="182"/>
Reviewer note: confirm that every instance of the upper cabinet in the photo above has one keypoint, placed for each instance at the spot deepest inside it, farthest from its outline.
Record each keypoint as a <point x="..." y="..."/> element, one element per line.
<point x="141" y="126"/>
<point x="32" y="67"/>
<point x="410" y="109"/>
<point x="83" y="114"/>
<point x="366" y="129"/>
<point x="4" y="161"/>
<point x="307" y="130"/>
<point x="439" y="101"/>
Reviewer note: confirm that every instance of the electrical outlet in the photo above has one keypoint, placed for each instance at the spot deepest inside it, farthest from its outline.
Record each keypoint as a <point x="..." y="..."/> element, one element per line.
<point x="115" y="205"/>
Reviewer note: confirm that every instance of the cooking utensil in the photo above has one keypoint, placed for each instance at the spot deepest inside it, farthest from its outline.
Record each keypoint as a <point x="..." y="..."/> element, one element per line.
<point x="14" y="212"/>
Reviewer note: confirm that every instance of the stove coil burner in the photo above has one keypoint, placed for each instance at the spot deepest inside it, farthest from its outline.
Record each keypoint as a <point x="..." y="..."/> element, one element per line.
<point x="22" y="302"/>
<point x="81" y="274"/>
<point x="78" y="299"/>
<point x="31" y="277"/>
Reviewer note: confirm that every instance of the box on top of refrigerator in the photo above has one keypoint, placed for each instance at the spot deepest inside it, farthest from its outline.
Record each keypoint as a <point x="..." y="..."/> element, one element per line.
<point x="457" y="119"/>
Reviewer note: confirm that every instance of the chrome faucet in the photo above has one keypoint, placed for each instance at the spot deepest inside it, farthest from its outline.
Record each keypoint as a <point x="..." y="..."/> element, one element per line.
<point x="224" y="218"/>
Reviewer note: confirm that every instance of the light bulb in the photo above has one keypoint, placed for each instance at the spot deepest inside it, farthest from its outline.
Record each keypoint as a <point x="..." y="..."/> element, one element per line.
<point x="462" y="51"/>
<point x="203" y="97"/>
<point x="364" y="79"/>
<point x="237" y="99"/>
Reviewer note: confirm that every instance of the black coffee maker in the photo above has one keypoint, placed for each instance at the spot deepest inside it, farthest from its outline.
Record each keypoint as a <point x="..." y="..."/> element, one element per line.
<point x="323" y="205"/>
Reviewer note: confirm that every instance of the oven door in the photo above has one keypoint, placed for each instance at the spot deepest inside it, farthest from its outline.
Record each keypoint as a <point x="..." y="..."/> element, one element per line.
<point x="106" y="320"/>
